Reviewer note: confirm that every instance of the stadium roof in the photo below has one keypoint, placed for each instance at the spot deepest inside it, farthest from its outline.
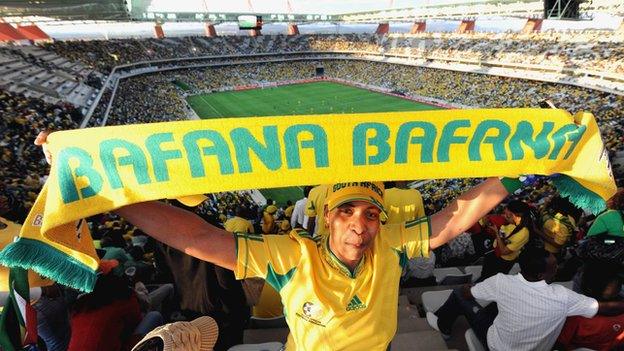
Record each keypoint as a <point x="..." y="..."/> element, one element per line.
<point x="140" y="10"/>
<point x="66" y="9"/>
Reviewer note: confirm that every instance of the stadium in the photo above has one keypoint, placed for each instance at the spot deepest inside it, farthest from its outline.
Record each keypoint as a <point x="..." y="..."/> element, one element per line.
<point x="81" y="65"/>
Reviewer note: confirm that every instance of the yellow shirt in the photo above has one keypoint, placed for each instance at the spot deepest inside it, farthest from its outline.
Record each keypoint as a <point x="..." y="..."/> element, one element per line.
<point x="289" y="210"/>
<point x="238" y="225"/>
<point x="403" y="205"/>
<point x="315" y="207"/>
<point x="268" y="223"/>
<point x="559" y="228"/>
<point x="514" y="242"/>
<point x="326" y="306"/>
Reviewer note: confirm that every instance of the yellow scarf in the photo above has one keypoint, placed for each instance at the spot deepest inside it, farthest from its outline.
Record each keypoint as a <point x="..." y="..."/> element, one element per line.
<point x="97" y="170"/>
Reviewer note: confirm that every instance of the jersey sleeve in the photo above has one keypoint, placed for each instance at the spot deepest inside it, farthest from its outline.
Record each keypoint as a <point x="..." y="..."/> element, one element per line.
<point x="411" y="237"/>
<point x="310" y="209"/>
<point x="261" y="255"/>
<point x="420" y="207"/>
<point x="581" y="305"/>
<point x="487" y="289"/>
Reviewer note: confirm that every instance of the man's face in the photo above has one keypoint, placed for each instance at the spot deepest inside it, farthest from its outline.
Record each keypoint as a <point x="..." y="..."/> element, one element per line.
<point x="511" y="217"/>
<point x="352" y="230"/>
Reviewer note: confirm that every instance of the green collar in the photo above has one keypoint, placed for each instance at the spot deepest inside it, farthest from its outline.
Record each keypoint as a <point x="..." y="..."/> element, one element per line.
<point x="336" y="263"/>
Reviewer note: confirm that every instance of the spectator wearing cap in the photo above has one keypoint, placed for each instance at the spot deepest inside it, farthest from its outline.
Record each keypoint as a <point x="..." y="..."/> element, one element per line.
<point x="314" y="210"/>
<point x="268" y="219"/>
<point x="345" y="282"/>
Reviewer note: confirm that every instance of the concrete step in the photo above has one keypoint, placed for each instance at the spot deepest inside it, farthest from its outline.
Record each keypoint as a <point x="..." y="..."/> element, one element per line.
<point x="418" y="341"/>
<point x="413" y="324"/>
<point x="259" y="336"/>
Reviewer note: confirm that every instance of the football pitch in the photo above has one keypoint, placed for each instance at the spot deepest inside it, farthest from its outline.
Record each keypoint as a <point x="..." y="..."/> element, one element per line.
<point x="297" y="99"/>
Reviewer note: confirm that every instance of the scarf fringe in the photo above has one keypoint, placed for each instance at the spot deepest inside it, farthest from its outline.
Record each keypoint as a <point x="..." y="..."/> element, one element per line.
<point x="578" y="194"/>
<point x="49" y="262"/>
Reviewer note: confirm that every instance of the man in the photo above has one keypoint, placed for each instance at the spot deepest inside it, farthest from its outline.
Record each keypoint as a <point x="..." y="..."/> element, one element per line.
<point x="340" y="291"/>
<point x="238" y="224"/>
<point x="528" y="313"/>
<point x="599" y="332"/>
<point x="333" y="289"/>
<point x="289" y="209"/>
<point x="314" y="210"/>
<point x="299" y="219"/>
<point x="268" y="219"/>
<point x="558" y="224"/>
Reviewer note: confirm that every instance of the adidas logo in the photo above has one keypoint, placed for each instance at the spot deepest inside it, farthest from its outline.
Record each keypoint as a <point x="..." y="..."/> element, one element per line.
<point x="355" y="304"/>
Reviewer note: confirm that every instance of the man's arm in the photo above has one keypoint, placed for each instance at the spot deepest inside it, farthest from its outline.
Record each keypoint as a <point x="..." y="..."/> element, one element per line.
<point x="184" y="231"/>
<point x="610" y="308"/>
<point x="175" y="227"/>
<point x="502" y="247"/>
<point x="465" y="211"/>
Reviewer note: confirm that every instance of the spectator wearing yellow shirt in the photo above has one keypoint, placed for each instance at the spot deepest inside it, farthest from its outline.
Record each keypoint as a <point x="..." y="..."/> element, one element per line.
<point x="402" y="203"/>
<point x="268" y="220"/>
<point x="558" y="224"/>
<point x="510" y="240"/>
<point x="289" y="209"/>
<point x="238" y="224"/>
<point x="314" y="210"/>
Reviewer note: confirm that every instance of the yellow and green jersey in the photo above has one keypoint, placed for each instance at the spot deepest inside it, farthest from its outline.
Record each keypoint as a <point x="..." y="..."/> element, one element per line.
<point x="315" y="207"/>
<point x="558" y="227"/>
<point x="403" y="205"/>
<point x="238" y="225"/>
<point x="327" y="306"/>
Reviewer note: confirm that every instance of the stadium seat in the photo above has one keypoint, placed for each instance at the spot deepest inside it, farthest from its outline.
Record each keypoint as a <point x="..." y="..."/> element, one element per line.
<point x="432" y="300"/>
<point x="475" y="271"/>
<point x="267" y="323"/>
<point x="454" y="279"/>
<point x="474" y="344"/>
<point x="515" y="269"/>
<point x="418" y="341"/>
<point x="440" y="273"/>
<point x="267" y="346"/>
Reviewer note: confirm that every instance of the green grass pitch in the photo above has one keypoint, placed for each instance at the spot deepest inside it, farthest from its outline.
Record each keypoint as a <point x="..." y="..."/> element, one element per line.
<point x="297" y="99"/>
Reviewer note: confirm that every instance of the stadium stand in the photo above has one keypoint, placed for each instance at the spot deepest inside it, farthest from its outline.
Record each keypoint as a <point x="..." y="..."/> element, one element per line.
<point x="120" y="82"/>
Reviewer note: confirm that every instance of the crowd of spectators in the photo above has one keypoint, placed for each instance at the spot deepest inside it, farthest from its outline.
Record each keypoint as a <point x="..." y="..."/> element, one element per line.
<point x="22" y="169"/>
<point x="589" y="50"/>
<point x="160" y="97"/>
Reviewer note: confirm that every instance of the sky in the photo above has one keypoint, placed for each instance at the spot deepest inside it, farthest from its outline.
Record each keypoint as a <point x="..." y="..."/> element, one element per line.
<point x="298" y="6"/>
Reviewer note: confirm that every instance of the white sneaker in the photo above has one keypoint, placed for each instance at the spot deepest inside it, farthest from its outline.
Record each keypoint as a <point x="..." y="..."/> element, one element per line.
<point x="432" y="319"/>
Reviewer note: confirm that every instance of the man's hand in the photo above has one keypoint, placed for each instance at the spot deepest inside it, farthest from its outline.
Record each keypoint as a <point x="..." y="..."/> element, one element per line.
<point x="42" y="140"/>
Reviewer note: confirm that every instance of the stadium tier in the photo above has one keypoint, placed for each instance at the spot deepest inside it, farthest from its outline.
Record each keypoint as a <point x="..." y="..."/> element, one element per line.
<point x="58" y="85"/>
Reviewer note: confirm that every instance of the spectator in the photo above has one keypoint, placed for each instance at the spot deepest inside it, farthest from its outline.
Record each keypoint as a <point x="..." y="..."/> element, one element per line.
<point x="510" y="239"/>
<point x="526" y="314"/>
